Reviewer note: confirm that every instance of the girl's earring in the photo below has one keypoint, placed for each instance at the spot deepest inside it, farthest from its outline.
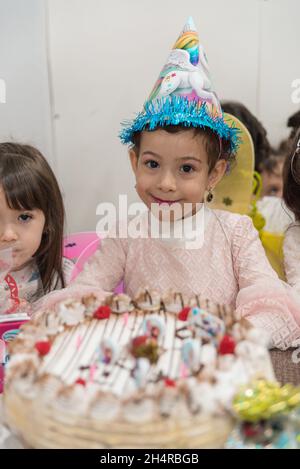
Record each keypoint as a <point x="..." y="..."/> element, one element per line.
<point x="210" y="195"/>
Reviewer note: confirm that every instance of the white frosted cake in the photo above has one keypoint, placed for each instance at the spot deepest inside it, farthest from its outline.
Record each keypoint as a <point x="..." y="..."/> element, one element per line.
<point x="152" y="372"/>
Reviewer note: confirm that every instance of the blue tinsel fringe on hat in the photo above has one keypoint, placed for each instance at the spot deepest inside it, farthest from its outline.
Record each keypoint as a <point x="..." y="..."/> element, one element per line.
<point x="178" y="110"/>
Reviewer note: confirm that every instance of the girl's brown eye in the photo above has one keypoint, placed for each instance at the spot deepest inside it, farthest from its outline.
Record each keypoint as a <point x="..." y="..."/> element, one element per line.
<point x="152" y="164"/>
<point x="24" y="217"/>
<point x="187" y="168"/>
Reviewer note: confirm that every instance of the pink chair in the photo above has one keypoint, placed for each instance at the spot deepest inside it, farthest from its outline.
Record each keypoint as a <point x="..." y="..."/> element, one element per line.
<point x="79" y="247"/>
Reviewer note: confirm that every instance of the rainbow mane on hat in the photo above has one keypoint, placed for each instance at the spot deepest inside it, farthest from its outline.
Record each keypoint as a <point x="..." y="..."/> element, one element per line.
<point x="183" y="94"/>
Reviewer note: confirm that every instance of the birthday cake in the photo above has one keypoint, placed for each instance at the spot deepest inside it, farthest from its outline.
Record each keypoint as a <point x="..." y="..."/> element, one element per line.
<point x="156" y="371"/>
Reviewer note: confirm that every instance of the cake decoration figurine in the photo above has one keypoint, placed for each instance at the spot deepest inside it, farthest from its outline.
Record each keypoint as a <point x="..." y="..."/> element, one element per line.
<point x="108" y="353"/>
<point x="191" y="354"/>
<point x="207" y="325"/>
<point x="154" y="327"/>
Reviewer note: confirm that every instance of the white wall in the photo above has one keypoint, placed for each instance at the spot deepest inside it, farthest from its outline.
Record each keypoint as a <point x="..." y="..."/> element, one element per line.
<point x="104" y="59"/>
<point x="279" y="65"/>
<point x="26" y="115"/>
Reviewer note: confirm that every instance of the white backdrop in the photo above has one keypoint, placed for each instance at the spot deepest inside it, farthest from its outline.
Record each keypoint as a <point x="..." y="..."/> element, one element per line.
<point x="95" y="62"/>
<point x="26" y="115"/>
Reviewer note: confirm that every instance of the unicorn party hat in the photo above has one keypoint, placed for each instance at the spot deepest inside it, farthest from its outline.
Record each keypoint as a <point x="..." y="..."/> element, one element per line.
<point x="183" y="94"/>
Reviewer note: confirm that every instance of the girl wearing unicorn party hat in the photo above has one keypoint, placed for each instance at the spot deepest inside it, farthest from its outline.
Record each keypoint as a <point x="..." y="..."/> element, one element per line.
<point x="181" y="146"/>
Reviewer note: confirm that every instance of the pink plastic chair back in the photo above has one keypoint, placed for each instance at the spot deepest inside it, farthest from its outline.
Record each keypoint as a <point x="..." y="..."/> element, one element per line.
<point x="79" y="247"/>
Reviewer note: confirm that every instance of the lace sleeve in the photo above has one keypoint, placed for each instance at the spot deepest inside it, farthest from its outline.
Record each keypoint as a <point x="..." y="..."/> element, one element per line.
<point x="291" y="250"/>
<point x="263" y="298"/>
<point x="106" y="267"/>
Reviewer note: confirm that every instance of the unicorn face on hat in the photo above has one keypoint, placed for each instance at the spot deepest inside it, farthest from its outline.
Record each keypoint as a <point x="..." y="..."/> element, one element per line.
<point x="187" y="81"/>
<point x="186" y="72"/>
<point x="183" y="94"/>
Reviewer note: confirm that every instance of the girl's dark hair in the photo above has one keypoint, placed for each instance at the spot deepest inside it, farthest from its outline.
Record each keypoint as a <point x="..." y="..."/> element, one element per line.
<point x="216" y="148"/>
<point x="294" y="123"/>
<point x="29" y="183"/>
<point x="256" y="130"/>
<point x="291" y="178"/>
<point x="270" y="164"/>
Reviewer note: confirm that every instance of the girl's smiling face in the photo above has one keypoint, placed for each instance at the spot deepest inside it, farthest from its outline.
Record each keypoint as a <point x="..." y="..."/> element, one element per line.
<point x="173" y="167"/>
<point x="20" y="230"/>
